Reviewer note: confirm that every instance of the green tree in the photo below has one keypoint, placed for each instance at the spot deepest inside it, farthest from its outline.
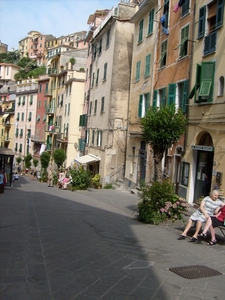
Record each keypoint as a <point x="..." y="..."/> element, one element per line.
<point x="161" y="128"/>
<point x="35" y="162"/>
<point x="45" y="159"/>
<point x="27" y="160"/>
<point x="72" y="61"/>
<point x="18" y="160"/>
<point x="59" y="157"/>
<point x="10" y="57"/>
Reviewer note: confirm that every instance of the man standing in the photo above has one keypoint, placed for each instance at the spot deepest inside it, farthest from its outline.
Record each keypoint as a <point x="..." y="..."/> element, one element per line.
<point x="1" y="182"/>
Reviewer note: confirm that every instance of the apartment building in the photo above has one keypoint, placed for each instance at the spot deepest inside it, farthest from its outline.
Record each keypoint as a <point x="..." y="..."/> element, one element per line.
<point x="141" y="87"/>
<point x="25" y="114"/>
<point x="38" y="138"/>
<point x="204" y="160"/>
<point x="109" y="73"/>
<point x="65" y="97"/>
<point x="7" y="103"/>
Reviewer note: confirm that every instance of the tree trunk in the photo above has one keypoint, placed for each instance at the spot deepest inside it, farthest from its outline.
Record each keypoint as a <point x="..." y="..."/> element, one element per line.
<point x="158" y="166"/>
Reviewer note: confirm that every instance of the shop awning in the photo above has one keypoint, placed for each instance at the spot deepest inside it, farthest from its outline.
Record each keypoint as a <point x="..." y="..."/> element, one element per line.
<point x="87" y="159"/>
<point x="5" y="115"/>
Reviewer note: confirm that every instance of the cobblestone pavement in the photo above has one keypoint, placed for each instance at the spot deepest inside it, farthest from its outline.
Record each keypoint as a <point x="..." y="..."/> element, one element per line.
<point x="63" y="245"/>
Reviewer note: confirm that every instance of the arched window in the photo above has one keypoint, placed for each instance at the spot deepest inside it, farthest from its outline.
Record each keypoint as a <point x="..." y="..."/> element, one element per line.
<point x="221" y="86"/>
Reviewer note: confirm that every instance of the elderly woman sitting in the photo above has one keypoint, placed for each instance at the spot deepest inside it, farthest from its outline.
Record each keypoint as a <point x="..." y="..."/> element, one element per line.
<point x="206" y="209"/>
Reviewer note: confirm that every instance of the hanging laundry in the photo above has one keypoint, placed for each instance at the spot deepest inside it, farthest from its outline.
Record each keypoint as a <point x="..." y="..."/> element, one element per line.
<point x="176" y="8"/>
<point x="181" y="2"/>
<point x="163" y="22"/>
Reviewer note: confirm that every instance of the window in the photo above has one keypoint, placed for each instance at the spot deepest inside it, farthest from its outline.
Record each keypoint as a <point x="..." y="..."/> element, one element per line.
<point x="90" y="108"/>
<point x="102" y="104"/>
<point x="204" y="83"/>
<point x="171" y="93"/>
<point x="70" y="88"/>
<point x="184" y="41"/>
<point x="100" y="47"/>
<point x="81" y="145"/>
<point x="21" y="132"/>
<point x="38" y="118"/>
<point x="221" y="86"/>
<point x="23" y="102"/>
<point x="185" y="173"/>
<point x="94" y="51"/>
<point x="28" y="133"/>
<point x="17" y="132"/>
<point x="87" y="136"/>
<point x="20" y="149"/>
<point x="154" y="100"/>
<point x="31" y="99"/>
<point x="16" y="147"/>
<point x="65" y="110"/>
<point x="93" y="137"/>
<point x="162" y="97"/>
<point x="147" y="65"/>
<point x="96" y="83"/>
<point x="107" y="38"/>
<point x="182" y="95"/>
<point x="166" y="13"/>
<point x="151" y="21"/>
<point x="210" y="43"/>
<point x="138" y="69"/>
<point x="185" y="8"/>
<point x="45" y="103"/>
<point x="143" y="105"/>
<point x="40" y="88"/>
<point x="140" y="33"/>
<point x="30" y="116"/>
<point x="83" y="120"/>
<point x="19" y="101"/>
<point x="99" y="138"/>
<point x="68" y="112"/>
<point x="162" y="61"/>
<point x="46" y="87"/>
<point x="93" y="79"/>
<point x="22" y="116"/>
<point x="18" y="116"/>
<point x="95" y="108"/>
<point x="105" y="72"/>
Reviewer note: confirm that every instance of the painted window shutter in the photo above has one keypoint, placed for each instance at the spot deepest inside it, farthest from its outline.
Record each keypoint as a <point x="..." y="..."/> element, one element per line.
<point x="201" y="24"/>
<point x="140" y="106"/>
<point x="185" y="96"/>
<point x="210" y="43"/>
<point x="154" y="102"/>
<point x="164" y="97"/>
<point x="147" y="64"/>
<point x="219" y="13"/>
<point x="198" y="80"/>
<point x="172" y="93"/>
<point x="151" y="21"/>
<point x="207" y="81"/>
<point x="147" y="102"/>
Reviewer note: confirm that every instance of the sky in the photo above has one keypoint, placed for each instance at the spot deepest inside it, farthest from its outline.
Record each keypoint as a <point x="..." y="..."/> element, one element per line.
<point x="56" y="17"/>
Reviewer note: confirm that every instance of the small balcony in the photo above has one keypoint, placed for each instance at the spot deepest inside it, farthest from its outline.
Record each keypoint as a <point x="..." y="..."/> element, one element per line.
<point x="7" y="124"/>
<point x="52" y="72"/>
<point x="50" y="110"/>
<point x="48" y="93"/>
<point x="37" y="139"/>
<point x="52" y="129"/>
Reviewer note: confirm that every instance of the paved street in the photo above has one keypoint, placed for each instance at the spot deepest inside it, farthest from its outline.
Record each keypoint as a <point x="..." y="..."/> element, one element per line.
<point x="63" y="245"/>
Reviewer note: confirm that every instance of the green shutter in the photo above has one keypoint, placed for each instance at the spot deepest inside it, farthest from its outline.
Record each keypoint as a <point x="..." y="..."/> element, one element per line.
<point x="151" y="21"/>
<point x="201" y="24"/>
<point x="154" y="100"/>
<point x="198" y="80"/>
<point x="147" y="102"/>
<point x="172" y="93"/>
<point x="207" y="81"/>
<point x="140" y="106"/>
<point x="164" y="97"/>
<point x="147" y="64"/>
<point x="219" y="13"/>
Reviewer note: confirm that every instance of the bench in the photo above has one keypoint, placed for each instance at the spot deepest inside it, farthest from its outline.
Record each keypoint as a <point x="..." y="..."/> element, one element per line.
<point x="188" y="214"/>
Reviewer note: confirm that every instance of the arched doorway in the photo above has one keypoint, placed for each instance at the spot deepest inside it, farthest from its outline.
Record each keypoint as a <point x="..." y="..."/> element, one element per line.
<point x="204" y="166"/>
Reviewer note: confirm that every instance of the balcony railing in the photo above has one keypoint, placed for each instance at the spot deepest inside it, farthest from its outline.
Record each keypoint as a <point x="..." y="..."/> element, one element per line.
<point x="52" y="71"/>
<point x="48" y="92"/>
<point x="50" y="110"/>
<point x="52" y="128"/>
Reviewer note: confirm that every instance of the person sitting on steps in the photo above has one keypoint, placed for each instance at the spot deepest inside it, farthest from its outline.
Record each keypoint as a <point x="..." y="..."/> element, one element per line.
<point x="207" y="207"/>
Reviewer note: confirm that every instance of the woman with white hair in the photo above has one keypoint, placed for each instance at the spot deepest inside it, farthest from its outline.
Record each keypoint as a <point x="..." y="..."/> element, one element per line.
<point x="207" y="208"/>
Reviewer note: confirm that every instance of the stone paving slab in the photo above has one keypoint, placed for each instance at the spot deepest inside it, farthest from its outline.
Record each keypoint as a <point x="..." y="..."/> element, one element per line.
<point x="57" y="244"/>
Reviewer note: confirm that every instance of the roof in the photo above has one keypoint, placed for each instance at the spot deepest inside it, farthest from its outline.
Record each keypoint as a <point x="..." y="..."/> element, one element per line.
<point x="6" y="152"/>
<point x="87" y="159"/>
